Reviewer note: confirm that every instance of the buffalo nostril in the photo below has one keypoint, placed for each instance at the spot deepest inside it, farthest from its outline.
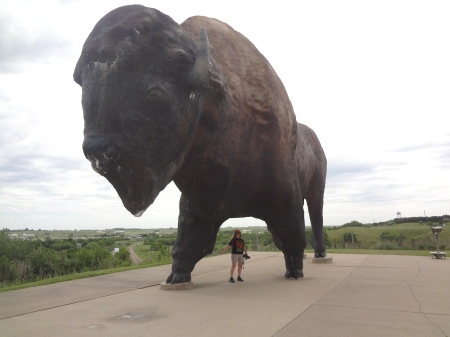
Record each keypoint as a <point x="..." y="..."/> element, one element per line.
<point x="97" y="165"/>
<point x="102" y="154"/>
<point x="111" y="153"/>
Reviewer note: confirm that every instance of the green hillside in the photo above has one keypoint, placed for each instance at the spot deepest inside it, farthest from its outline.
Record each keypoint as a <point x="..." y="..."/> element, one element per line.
<point x="395" y="236"/>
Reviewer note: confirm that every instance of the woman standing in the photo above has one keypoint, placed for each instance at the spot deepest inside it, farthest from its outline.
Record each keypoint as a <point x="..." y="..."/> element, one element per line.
<point x="238" y="249"/>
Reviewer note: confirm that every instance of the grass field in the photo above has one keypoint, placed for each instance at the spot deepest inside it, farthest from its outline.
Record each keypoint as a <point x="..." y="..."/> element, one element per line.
<point x="414" y="235"/>
<point x="148" y="256"/>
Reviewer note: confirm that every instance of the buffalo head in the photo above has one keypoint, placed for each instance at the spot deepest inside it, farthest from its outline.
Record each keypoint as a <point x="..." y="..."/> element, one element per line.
<point x="139" y="72"/>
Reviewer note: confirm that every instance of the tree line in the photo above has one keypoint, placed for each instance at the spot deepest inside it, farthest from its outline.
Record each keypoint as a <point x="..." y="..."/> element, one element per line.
<point x="32" y="260"/>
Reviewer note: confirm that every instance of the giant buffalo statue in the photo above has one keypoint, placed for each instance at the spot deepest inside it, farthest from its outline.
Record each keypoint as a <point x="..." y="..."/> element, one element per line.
<point x="197" y="104"/>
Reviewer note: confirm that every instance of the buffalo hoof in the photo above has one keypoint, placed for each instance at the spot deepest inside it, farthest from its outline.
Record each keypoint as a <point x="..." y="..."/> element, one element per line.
<point x="177" y="286"/>
<point x="178" y="278"/>
<point x="320" y="254"/>
<point x="294" y="273"/>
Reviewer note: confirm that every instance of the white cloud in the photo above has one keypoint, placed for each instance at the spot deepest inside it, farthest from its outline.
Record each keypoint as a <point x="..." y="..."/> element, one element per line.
<point x="371" y="78"/>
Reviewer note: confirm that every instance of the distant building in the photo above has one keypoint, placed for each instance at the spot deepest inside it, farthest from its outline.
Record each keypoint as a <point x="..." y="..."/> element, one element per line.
<point x="15" y="236"/>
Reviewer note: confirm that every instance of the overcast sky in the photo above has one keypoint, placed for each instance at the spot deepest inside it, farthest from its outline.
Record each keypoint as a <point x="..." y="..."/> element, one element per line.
<point x="372" y="78"/>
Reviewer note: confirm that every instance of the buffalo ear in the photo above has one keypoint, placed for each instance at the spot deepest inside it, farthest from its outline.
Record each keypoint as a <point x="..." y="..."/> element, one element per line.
<point x="201" y="67"/>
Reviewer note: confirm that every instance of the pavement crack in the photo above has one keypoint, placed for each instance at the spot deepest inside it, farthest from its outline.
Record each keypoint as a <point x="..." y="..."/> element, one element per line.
<point x="318" y="299"/>
<point x="409" y="283"/>
<point x="435" y="325"/>
<point x="76" y="302"/>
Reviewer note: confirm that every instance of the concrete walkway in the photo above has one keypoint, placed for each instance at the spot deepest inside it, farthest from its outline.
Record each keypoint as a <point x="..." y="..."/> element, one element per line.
<point x="356" y="295"/>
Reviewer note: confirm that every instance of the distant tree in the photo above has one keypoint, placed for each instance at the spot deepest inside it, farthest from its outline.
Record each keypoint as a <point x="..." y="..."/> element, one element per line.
<point x="400" y="238"/>
<point x="354" y="223"/>
<point x="349" y="238"/>
<point x="310" y="239"/>
<point x="326" y="239"/>
<point x="123" y="255"/>
<point x="8" y="270"/>
<point x="266" y="239"/>
<point x="45" y="262"/>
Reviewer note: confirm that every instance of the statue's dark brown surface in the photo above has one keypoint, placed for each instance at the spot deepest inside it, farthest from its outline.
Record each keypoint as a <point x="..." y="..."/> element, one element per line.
<point x="197" y="104"/>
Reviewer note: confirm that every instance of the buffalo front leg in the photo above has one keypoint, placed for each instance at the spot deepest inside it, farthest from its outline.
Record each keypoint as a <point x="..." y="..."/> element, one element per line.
<point x="196" y="238"/>
<point x="294" y="266"/>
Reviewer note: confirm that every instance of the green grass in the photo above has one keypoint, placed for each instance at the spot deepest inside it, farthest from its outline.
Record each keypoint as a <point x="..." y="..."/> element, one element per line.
<point x="370" y="236"/>
<point x="149" y="259"/>
<point x="149" y="256"/>
<point x="79" y="276"/>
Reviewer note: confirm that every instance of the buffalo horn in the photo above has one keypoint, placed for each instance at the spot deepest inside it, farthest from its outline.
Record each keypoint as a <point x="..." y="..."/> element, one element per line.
<point x="201" y="66"/>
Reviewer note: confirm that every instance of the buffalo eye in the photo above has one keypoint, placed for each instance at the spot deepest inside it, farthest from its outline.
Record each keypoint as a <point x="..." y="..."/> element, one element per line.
<point x="154" y="93"/>
<point x="156" y="103"/>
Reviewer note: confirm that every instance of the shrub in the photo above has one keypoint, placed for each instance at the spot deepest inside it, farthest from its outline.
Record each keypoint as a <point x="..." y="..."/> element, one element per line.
<point x="8" y="270"/>
<point x="123" y="256"/>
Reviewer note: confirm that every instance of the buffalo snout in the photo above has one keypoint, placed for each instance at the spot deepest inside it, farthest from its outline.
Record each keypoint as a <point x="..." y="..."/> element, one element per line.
<point x="103" y="155"/>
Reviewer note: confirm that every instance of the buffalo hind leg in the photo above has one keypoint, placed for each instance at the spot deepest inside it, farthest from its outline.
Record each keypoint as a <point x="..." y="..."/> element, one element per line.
<point x="316" y="217"/>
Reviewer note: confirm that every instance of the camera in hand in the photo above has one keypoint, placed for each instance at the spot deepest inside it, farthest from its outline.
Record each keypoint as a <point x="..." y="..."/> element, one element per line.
<point x="246" y="256"/>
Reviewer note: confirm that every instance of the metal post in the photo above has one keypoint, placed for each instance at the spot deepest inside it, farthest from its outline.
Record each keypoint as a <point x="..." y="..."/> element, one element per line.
<point x="437" y="254"/>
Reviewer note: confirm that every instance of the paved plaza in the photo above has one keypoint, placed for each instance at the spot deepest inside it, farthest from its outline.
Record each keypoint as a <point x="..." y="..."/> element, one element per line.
<point x="356" y="295"/>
